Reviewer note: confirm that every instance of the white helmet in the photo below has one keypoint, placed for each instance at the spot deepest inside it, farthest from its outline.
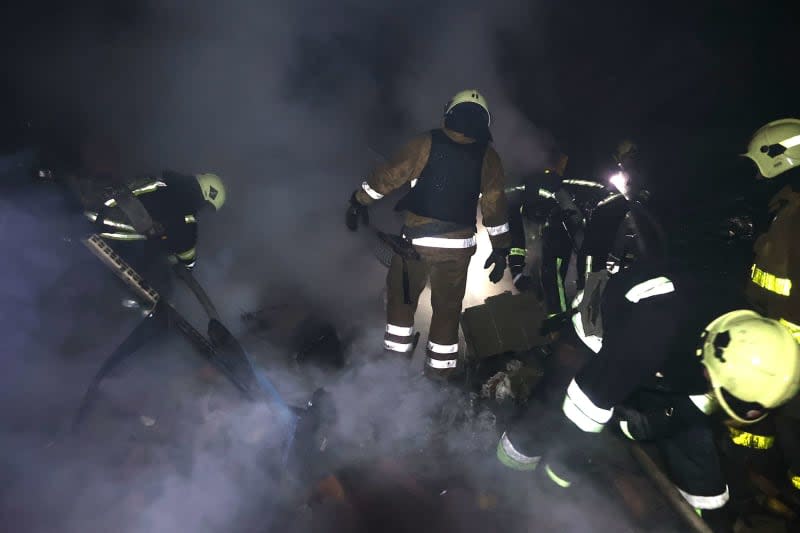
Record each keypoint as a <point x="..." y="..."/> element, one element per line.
<point x="753" y="363"/>
<point x="468" y="96"/>
<point x="775" y="147"/>
<point x="213" y="189"/>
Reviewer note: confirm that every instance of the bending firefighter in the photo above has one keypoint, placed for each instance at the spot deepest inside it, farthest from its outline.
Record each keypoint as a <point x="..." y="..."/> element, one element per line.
<point x="450" y="170"/>
<point x="668" y="357"/>
<point x="774" y="285"/>
<point x="156" y="216"/>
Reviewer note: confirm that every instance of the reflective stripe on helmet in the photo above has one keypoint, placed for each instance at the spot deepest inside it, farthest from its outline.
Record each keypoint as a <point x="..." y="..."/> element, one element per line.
<point x="791" y="142"/>
<point x="706" y="502"/>
<point x="375" y="195"/>
<point x="751" y="440"/>
<point x="650" y="288"/>
<point x="497" y="230"/>
<point x="770" y="282"/>
<point x="583" y="412"/>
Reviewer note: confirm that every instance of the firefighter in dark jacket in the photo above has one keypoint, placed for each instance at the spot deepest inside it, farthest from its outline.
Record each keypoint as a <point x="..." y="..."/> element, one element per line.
<point x="450" y="170"/>
<point x="664" y="364"/>
<point x="562" y="205"/>
<point x="168" y="221"/>
<point x="774" y="285"/>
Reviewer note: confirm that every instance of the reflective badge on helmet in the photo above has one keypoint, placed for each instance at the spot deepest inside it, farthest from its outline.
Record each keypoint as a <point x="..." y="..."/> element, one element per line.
<point x="212" y="193"/>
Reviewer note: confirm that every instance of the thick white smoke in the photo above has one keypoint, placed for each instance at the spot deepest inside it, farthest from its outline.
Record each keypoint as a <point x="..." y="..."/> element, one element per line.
<point x="285" y="101"/>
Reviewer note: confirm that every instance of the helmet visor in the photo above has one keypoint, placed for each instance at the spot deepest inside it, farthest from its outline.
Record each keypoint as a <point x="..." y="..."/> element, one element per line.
<point x="747" y="412"/>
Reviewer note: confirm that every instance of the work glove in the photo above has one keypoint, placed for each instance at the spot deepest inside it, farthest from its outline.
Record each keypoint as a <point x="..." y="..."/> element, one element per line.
<point x="497" y="259"/>
<point x="638" y="425"/>
<point x="355" y="211"/>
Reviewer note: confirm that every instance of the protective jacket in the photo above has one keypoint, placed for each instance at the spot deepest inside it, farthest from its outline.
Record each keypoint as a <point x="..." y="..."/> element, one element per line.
<point x="774" y="287"/>
<point x="453" y="173"/>
<point x="172" y="202"/>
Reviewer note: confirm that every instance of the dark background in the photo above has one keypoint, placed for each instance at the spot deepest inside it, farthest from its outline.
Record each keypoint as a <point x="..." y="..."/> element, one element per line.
<point x="688" y="81"/>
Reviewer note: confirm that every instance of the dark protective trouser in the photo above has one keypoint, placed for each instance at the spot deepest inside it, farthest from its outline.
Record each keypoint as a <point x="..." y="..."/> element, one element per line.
<point x="447" y="271"/>
<point x="556" y="253"/>
<point x="556" y="437"/>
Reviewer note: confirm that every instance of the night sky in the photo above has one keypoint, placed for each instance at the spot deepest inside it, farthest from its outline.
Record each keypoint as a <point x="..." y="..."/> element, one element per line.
<point x="688" y="80"/>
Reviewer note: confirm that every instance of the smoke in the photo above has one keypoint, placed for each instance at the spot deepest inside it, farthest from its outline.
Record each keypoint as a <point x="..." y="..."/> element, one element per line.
<point x="285" y="101"/>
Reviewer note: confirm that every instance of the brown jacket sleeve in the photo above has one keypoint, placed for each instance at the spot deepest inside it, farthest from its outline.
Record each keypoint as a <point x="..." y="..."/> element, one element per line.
<point x="494" y="205"/>
<point x="401" y="168"/>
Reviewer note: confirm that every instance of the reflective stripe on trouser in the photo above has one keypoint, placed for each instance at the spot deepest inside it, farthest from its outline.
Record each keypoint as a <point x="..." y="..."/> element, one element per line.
<point x="441" y="358"/>
<point x="447" y="271"/>
<point x="399" y="338"/>
<point x="513" y="458"/>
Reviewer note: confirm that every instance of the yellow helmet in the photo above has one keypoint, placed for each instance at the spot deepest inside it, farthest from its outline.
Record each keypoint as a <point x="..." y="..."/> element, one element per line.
<point x="213" y="189"/>
<point x="775" y="147"/>
<point x="753" y="363"/>
<point x="468" y="96"/>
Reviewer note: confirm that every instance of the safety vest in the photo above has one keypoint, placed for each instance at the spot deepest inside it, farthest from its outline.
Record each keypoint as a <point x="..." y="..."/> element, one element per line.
<point x="774" y="287"/>
<point x="450" y="184"/>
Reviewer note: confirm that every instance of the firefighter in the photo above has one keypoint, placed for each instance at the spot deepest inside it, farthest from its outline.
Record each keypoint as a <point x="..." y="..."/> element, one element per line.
<point x="653" y="381"/>
<point x="450" y="170"/>
<point x="151" y="217"/>
<point x="558" y="208"/>
<point x="775" y="277"/>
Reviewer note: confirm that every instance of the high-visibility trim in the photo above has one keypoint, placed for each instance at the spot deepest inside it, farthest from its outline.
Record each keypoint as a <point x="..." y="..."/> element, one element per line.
<point x="583" y="412"/>
<point x="91" y="215"/>
<point x="792" y="327"/>
<point x="623" y="426"/>
<point x="751" y="440"/>
<point x="555" y="478"/>
<point x="593" y="342"/>
<point x="588" y="265"/>
<point x="402" y="347"/>
<point x="190" y="219"/>
<point x="441" y="242"/>
<point x="440" y="364"/>
<point x="124" y="236"/>
<point x="375" y="195"/>
<point x="517" y="251"/>
<point x="442" y="348"/>
<point x="650" y="288"/>
<point x="494" y="231"/>
<point x="190" y="265"/>
<point x="513" y="458"/>
<point x="795" y="481"/>
<point x="544" y="193"/>
<point x="707" y="403"/>
<point x="562" y="299"/>
<point x="111" y="202"/>
<point x="770" y="282"/>
<point x="585" y="183"/>
<point x="608" y="199"/>
<point x="414" y="182"/>
<point x="791" y="142"/>
<point x="706" y="502"/>
<point x="400" y="331"/>
<point x="187" y="255"/>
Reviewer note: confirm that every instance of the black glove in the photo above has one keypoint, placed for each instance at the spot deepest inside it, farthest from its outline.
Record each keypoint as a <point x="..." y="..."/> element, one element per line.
<point x="498" y="260"/>
<point x="355" y="211"/>
<point x="523" y="283"/>
<point x="516" y="263"/>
